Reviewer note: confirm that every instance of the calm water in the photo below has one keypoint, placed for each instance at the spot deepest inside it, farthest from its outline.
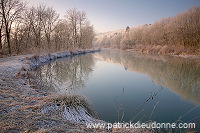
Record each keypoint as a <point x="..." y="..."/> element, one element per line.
<point x="124" y="86"/>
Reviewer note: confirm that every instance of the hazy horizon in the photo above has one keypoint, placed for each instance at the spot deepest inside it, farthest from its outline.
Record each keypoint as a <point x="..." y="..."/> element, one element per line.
<point x="117" y="14"/>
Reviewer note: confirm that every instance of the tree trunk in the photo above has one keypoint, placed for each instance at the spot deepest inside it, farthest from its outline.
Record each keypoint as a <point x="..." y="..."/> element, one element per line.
<point x="7" y="27"/>
<point x="0" y="41"/>
<point x="8" y="40"/>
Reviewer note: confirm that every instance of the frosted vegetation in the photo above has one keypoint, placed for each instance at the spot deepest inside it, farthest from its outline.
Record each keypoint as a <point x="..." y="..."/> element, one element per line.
<point x="40" y="30"/>
<point x="173" y="35"/>
<point x="37" y="29"/>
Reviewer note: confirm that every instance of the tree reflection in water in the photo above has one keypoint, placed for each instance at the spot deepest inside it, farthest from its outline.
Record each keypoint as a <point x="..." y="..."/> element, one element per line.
<point x="66" y="75"/>
<point x="180" y="75"/>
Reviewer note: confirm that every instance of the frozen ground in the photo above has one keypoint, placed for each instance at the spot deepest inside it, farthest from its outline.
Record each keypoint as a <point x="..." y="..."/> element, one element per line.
<point x="23" y="106"/>
<point x="26" y="108"/>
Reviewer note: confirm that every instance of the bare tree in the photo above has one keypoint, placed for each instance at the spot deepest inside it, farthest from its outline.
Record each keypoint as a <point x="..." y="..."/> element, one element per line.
<point x="1" y="31"/>
<point x="48" y="21"/>
<point x="11" y="11"/>
<point x="72" y="18"/>
<point x="63" y="35"/>
<point x="82" y="31"/>
<point x="82" y="22"/>
<point x="34" y="19"/>
<point x="37" y="28"/>
<point x="87" y="36"/>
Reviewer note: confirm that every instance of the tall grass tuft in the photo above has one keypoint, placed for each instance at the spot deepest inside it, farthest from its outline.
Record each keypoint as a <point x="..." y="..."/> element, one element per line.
<point x="73" y="100"/>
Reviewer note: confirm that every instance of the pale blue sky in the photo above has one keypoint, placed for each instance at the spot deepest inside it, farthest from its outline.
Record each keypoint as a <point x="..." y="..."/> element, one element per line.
<point x="107" y="15"/>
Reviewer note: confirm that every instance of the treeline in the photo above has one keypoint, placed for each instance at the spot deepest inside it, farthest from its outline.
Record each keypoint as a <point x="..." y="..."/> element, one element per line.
<point x="26" y="29"/>
<point x="175" y="35"/>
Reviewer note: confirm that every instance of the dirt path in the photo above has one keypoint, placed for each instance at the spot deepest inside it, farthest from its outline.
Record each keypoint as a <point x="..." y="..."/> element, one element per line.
<point x="19" y="101"/>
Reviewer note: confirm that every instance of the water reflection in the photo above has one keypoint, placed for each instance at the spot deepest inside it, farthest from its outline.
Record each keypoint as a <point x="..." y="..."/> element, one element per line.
<point x="182" y="76"/>
<point x="127" y="86"/>
<point x="67" y="74"/>
<point x="178" y="74"/>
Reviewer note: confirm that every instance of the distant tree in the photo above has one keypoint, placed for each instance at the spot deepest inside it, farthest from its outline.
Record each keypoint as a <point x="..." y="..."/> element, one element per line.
<point x="82" y="21"/>
<point x="181" y="30"/>
<point x="48" y="22"/>
<point x="63" y="37"/>
<point x="81" y="30"/>
<point x="72" y="18"/>
<point x="34" y="19"/>
<point x="127" y="28"/>
<point x="87" y="36"/>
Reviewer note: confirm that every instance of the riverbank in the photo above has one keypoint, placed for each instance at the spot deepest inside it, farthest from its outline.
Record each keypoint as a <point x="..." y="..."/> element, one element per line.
<point x="24" y="107"/>
<point x="190" y="52"/>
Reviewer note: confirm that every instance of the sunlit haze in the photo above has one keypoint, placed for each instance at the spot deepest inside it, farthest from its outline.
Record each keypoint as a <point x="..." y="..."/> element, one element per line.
<point x="107" y="15"/>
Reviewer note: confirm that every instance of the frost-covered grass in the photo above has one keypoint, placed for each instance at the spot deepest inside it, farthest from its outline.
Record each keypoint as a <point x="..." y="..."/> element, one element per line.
<point x="21" y="102"/>
<point x="75" y="108"/>
<point x="25" y="107"/>
<point x="75" y="101"/>
<point x="35" y="60"/>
